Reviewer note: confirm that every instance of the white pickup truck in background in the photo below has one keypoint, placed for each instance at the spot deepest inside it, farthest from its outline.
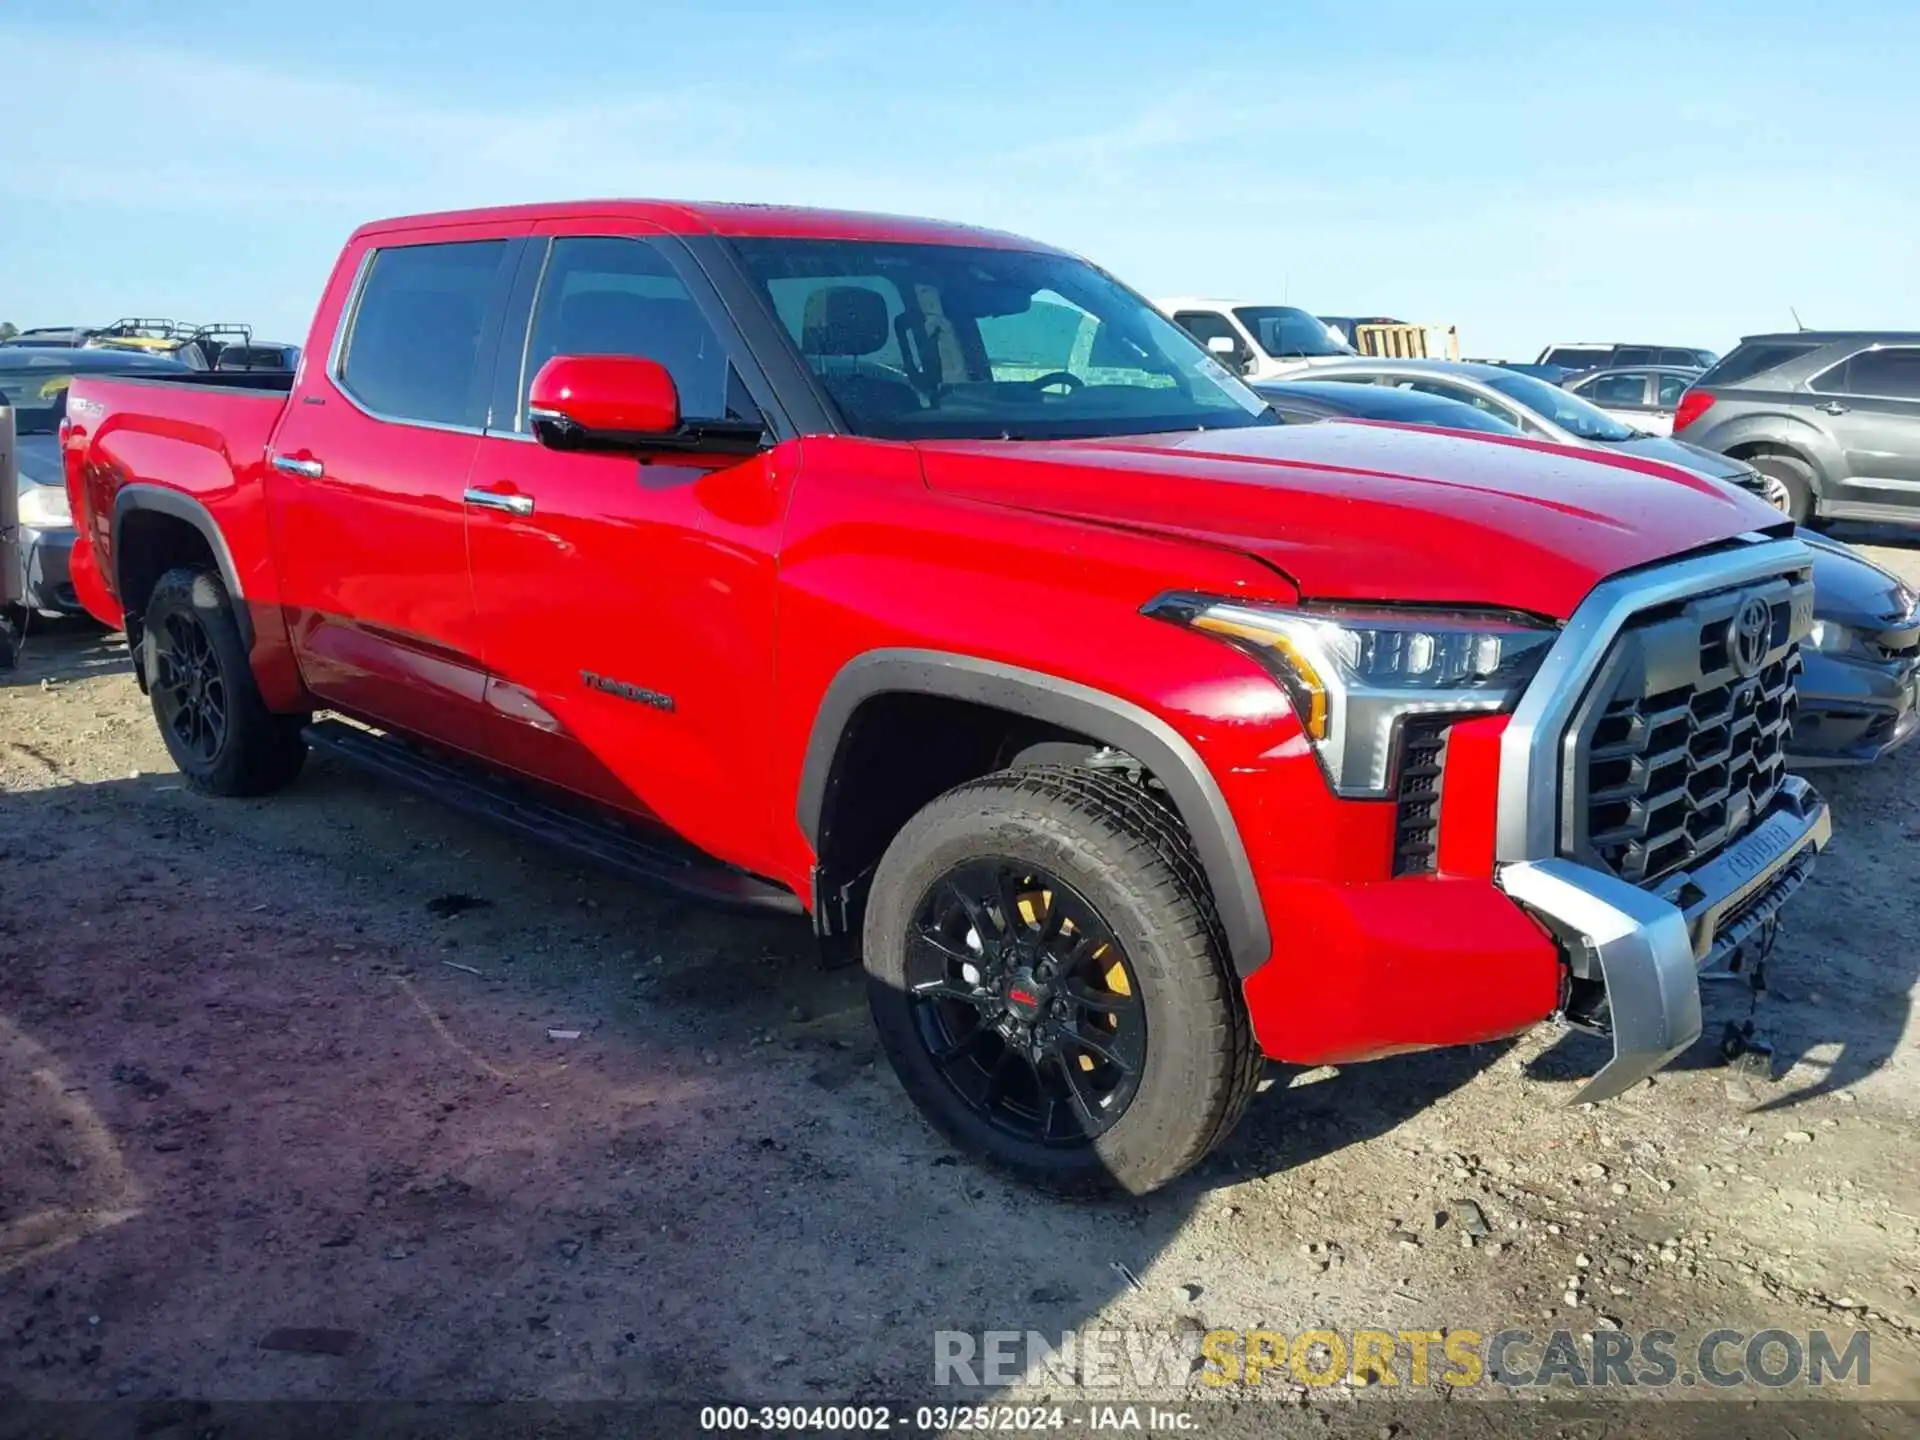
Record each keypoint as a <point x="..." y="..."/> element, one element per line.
<point x="1259" y="342"/>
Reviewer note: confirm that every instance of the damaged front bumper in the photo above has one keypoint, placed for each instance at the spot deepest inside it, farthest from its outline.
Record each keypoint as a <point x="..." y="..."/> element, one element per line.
<point x="1636" y="956"/>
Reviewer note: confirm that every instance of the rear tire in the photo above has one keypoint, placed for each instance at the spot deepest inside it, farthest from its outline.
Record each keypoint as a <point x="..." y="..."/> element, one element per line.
<point x="216" y="727"/>
<point x="1796" y="477"/>
<point x="1117" y="866"/>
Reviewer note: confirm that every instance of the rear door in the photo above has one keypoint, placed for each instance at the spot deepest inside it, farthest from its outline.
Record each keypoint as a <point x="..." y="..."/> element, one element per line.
<point x="1870" y="404"/>
<point x="366" y="475"/>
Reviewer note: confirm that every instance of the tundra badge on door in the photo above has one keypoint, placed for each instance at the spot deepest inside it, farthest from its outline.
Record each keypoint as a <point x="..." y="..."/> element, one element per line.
<point x="639" y="694"/>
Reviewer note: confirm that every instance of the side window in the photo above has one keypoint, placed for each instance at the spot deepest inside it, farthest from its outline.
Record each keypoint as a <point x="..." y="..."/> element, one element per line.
<point x="1834" y="379"/>
<point x="1632" y="355"/>
<point x="1687" y="358"/>
<point x="419" y="330"/>
<point x="1204" y="325"/>
<point x="606" y="295"/>
<point x="1624" y="390"/>
<point x="1672" y="387"/>
<point x="1892" y="371"/>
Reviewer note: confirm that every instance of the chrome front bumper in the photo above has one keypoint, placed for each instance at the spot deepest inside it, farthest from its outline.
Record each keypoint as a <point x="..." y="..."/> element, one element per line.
<point x="1647" y="949"/>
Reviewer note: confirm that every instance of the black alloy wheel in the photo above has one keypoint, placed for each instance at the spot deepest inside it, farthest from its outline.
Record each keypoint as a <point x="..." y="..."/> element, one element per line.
<point x="189" y="693"/>
<point x="1025" y="1002"/>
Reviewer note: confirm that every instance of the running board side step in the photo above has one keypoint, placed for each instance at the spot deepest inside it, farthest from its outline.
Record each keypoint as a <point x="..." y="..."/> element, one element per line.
<point x="607" y="843"/>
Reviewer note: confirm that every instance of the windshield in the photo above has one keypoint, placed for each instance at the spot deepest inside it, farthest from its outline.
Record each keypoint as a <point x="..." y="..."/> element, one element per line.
<point x="1286" y="333"/>
<point x="1569" y="412"/>
<point x="961" y="342"/>
<point x="34" y="383"/>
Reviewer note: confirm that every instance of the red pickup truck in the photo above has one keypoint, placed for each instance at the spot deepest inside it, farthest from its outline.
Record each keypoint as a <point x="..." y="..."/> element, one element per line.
<point x="928" y="581"/>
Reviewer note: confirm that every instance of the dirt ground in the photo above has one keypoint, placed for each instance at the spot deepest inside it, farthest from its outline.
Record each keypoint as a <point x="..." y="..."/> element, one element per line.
<point x="256" y="1086"/>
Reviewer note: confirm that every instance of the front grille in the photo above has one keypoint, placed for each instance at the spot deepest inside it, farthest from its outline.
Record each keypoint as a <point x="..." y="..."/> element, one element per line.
<point x="1676" y="750"/>
<point x="1416" y="830"/>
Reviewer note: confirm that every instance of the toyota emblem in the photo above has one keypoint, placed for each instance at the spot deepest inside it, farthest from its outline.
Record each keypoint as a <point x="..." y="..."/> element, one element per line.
<point x="1748" y="634"/>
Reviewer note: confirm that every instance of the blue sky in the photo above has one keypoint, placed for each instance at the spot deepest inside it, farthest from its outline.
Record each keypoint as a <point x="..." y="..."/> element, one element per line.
<point x="1676" y="172"/>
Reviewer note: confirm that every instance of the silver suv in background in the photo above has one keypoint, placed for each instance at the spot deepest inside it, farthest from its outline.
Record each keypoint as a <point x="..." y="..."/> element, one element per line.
<point x="1833" y="415"/>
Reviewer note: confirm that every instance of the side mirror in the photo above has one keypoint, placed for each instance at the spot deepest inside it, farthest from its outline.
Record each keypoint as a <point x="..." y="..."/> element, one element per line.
<point x="1228" y="352"/>
<point x="625" y="403"/>
<point x="602" y="402"/>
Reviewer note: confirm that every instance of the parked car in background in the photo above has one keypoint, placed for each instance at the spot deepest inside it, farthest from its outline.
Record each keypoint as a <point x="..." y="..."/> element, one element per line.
<point x="155" y="336"/>
<point x="1552" y="374"/>
<point x="34" y="382"/>
<point x="1859" y="687"/>
<point x="1644" y="397"/>
<point x="1860" y="677"/>
<point x="1547" y="412"/>
<point x="1581" y="355"/>
<point x="1259" y="342"/>
<point x="1833" y="416"/>
<point x="1070" y="702"/>
<point x="50" y="337"/>
<point x="1301" y="402"/>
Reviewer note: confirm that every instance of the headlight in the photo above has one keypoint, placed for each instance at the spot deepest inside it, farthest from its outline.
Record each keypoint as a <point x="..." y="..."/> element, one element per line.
<point x="1830" y="637"/>
<point x="45" y="507"/>
<point x="1354" y="673"/>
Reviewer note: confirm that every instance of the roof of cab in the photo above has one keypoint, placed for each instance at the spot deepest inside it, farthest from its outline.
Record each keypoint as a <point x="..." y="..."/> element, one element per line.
<point x="685" y="217"/>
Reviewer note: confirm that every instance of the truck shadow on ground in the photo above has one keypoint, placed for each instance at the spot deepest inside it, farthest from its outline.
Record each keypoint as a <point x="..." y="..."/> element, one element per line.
<point x="578" y="1140"/>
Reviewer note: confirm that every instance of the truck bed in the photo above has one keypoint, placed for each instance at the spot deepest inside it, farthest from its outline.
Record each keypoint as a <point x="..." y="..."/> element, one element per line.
<point x="201" y="436"/>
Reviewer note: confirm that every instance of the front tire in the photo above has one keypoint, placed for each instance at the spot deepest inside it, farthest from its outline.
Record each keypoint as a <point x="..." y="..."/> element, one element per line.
<point x="1048" y="977"/>
<point x="216" y="727"/>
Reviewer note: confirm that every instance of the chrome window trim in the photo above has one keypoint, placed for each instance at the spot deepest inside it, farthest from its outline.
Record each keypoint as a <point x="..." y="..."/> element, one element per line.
<point x="1529" y="758"/>
<point x="343" y="341"/>
<point x="1878" y="345"/>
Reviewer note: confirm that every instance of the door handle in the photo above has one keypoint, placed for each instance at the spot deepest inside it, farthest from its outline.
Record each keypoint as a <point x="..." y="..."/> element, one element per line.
<point x="305" y="469"/>
<point x="1832" y="407"/>
<point x="512" y="504"/>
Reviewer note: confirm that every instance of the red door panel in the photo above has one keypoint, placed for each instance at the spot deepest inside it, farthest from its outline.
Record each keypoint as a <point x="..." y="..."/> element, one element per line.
<point x="367" y="474"/>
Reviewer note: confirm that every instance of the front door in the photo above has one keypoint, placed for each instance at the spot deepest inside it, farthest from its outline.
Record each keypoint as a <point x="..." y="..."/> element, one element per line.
<point x="365" y="483"/>
<point x="628" y="603"/>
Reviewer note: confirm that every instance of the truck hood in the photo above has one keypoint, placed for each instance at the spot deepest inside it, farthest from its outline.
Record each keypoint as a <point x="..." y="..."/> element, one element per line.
<point x="1355" y="510"/>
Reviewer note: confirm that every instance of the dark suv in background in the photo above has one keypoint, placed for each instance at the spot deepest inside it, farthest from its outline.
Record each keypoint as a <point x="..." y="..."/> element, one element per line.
<point x="1833" y="415"/>
<point x="1583" y="355"/>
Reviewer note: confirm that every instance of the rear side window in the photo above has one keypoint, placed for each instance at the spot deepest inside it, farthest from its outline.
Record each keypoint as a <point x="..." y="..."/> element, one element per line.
<point x="604" y="295"/>
<point x="1672" y="387"/>
<point x="1621" y="390"/>
<point x="1689" y="358"/>
<point x="1892" y="371"/>
<point x="1754" y="357"/>
<point x="1633" y="355"/>
<point x="419" y="329"/>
